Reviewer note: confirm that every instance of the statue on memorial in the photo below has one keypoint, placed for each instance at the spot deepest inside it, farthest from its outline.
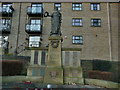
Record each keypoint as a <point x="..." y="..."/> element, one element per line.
<point x="55" y="22"/>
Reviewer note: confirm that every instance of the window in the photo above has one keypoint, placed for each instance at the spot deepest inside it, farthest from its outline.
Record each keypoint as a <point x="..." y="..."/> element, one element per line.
<point x="96" y="22"/>
<point x="77" y="22"/>
<point x="57" y="5"/>
<point x="35" y="21"/>
<point x="5" y="21"/>
<point x="77" y="39"/>
<point x="6" y="7"/>
<point x="35" y="25"/>
<point x="34" y="41"/>
<point x="77" y="6"/>
<point x="4" y="24"/>
<point x="95" y="6"/>
<point x="36" y="8"/>
<point x="3" y="41"/>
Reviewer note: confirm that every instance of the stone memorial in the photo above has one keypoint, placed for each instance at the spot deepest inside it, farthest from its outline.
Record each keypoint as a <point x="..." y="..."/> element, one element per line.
<point x="54" y="64"/>
<point x="54" y="71"/>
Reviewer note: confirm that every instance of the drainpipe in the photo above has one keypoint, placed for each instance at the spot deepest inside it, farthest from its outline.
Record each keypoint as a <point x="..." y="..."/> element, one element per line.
<point x="18" y="31"/>
<point x="109" y="30"/>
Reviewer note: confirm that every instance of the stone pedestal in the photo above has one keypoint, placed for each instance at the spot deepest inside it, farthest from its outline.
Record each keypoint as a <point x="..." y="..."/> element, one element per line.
<point x="53" y="75"/>
<point x="54" y="71"/>
<point x="46" y="64"/>
<point x="54" y="51"/>
<point x="73" y="75"/>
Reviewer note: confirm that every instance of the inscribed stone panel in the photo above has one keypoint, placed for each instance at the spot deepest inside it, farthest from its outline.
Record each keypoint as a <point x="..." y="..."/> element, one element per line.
<point x="34" y="72"/>
<point x="75" y="73"/>
<point x="41" y="72"/>
<point x="74" y="58"/>
<point x="43" y="58"/>
<point x="67" y="54"/>
<point x="36" y="57"/>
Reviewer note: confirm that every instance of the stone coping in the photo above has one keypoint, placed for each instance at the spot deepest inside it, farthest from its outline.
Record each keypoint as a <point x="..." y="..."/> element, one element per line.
<point x="36" y="48"/>
<point x="36" y="66"/>
<point x="46" y="48"/>
<point x="59" y="1"/>
<point x="55" y="38"/>
<point x="102" y="83"/>
<point x="71" y="49"/>
<point x="77" y="67"/>
<point x="13" y="57"/>
<point x="44" y="66"/>
<point x="22" y="78"/>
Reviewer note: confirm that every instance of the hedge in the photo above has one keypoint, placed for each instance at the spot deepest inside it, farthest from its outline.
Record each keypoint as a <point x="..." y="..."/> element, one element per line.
<point x="95" y="74"/>
<point x="101" y="65"/>
<point x="11" y="67"/>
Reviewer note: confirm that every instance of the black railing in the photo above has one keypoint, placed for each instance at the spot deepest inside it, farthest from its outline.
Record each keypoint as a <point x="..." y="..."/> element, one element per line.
<point x="5" y="28"/>
<point x="6" y="11"/>
<point x="34" y="44"/>
<point x="33" y="28"/>
<point x="35" y="10"/>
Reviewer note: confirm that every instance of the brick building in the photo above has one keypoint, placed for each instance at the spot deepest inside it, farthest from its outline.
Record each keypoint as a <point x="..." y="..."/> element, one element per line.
<point x="89" y="25"/>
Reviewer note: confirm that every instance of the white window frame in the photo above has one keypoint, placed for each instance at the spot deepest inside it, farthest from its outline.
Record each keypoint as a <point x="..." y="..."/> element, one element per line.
<point x="77" y="22"/>
<point x="34" y="41"/>
<point x="77" y="39"/>
<point x="96" y="23"/>
<point x="77" y="6"/>
<point x="95" y="6"/>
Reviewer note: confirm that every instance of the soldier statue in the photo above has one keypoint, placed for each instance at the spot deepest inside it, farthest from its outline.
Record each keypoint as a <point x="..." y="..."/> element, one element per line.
<point x="55" y="22"/>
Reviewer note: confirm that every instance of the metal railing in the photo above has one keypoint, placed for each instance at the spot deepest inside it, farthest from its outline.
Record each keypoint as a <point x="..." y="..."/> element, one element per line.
<point x="5" y="27"/>
<point x="34" y="10"/>
<point x="34" y="27"/>
<point x="6" y="10"/>
<point x="34" y="44"/>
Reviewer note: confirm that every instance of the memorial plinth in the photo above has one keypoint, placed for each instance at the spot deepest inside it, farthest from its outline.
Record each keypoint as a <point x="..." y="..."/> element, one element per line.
<point x="54" y="51"/>
<point x="54" y="71"/>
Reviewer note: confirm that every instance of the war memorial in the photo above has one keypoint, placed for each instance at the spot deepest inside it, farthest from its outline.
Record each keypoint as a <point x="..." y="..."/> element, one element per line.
<point x="54" y="71"/>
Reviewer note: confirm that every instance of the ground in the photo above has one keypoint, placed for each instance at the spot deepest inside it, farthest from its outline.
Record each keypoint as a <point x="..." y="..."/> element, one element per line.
<point x="6" y="86"/>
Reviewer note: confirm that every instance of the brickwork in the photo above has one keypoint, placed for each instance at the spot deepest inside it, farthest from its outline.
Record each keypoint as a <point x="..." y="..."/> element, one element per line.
<point x="98" y="42"/>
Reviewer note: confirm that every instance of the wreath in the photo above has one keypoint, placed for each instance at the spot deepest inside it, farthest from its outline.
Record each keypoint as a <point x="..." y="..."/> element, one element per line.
<point x="55" y="43"/>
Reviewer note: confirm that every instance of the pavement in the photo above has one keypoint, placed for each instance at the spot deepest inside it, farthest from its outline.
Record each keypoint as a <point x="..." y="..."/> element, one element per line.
<point x="23" y="86"/>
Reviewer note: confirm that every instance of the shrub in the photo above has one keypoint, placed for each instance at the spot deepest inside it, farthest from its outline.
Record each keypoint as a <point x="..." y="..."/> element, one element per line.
<point x="11" y="67"/>
<point x="9" y="54"/>
<point x="107" y="76"/>
<point x="24" y="72"/>
<point x="94" y="74"/>
<point x="100" y="75"/>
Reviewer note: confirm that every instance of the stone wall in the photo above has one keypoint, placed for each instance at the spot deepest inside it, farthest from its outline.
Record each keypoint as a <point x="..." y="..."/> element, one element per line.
<point x="113" y="67"/>
<point x="86" y="66"/>
<point x="71" y="58"/>
<point x="7" y="79"/>
<point x="102" y="83"/>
